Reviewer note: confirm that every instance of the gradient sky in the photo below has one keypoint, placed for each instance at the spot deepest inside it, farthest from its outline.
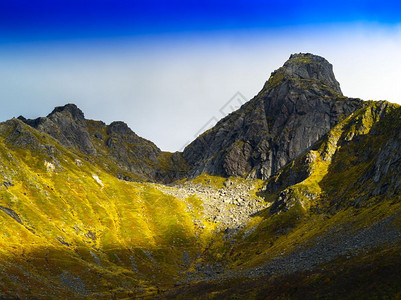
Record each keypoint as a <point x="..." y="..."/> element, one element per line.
<point x="168" y="67"/>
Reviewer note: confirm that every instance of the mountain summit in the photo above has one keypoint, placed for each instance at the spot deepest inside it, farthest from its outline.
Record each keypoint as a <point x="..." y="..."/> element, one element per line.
<point x="298" y="105"/>
<point x="307" y="66"/>
<point x="66" y="124"/>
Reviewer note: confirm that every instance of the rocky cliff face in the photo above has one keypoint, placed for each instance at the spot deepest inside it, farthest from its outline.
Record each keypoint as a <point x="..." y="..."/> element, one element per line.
<point x="67" y="125"/>
<point x="135" y="156"/>
<point x="297" y="106"/>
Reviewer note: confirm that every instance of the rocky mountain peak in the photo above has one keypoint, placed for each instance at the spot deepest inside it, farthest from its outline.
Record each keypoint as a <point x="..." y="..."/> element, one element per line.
<point x="67" y="125"/>
<point x="119" y="127"/>
<point x="70" y="109"/>
<point x="307" y="67"/>
<point x="298" y="105"/>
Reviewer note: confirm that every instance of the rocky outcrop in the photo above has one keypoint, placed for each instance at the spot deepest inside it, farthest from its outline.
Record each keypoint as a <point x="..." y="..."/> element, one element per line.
<point x="357" y="162"/>
<point x="130" y="151"/>
<point x="310" y="67"/>
<point x="67" y="125"/>
<point x="297" y="106"/>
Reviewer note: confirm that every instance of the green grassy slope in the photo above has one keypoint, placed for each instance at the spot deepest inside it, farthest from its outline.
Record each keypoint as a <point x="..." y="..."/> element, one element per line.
<point x="334" y="232"/>
<point x="70" y="229"/>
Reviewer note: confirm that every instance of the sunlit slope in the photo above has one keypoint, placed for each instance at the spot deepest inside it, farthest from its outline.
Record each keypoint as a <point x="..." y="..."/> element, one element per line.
<point x="69" y="228"/>
<point x="334" y="225"/>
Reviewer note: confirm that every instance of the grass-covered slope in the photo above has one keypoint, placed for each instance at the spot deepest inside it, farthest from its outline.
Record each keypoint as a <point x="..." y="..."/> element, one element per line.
<point x="70" y="229"/>
<point x="334" y="226"/>
<point x="329" y="223"/>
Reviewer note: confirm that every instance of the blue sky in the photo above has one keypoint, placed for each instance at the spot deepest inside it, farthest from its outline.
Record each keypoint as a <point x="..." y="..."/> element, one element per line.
<point x="72" y="19"/>
<point x="167" y="67"/>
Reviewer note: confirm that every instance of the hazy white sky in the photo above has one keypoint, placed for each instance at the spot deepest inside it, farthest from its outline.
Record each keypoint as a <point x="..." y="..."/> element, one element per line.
<point x="166" y="89"/>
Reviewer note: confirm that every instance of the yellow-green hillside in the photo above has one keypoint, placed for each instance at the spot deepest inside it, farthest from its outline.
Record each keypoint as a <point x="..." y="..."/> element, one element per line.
<point x="71" y="229"/>
<point x="334" y="231"/>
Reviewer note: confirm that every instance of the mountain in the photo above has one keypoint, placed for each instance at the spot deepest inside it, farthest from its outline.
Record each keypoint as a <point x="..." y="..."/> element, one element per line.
<point x="294" y="195"/>
<point x="115" y="147"/>
<point x="297" y="106"/>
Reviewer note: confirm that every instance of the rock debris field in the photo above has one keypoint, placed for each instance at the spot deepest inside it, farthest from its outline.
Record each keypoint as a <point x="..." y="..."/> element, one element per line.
<point x="231" y="207"/>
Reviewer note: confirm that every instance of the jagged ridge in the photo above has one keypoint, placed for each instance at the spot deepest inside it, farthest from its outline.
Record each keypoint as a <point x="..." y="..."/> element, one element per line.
<point x="115" y="147"/>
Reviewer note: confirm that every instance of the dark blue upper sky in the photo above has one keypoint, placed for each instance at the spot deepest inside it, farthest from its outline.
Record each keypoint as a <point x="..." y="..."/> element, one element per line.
<point x="22" y="20"/>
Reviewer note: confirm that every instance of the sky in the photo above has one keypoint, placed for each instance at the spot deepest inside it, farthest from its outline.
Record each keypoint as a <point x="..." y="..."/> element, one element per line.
<point x="171" y="69"/>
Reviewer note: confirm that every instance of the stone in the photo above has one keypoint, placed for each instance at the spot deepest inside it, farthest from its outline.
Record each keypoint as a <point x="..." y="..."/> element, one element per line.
<point x="297" y="106"/>
<point x="67" y="125"/>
